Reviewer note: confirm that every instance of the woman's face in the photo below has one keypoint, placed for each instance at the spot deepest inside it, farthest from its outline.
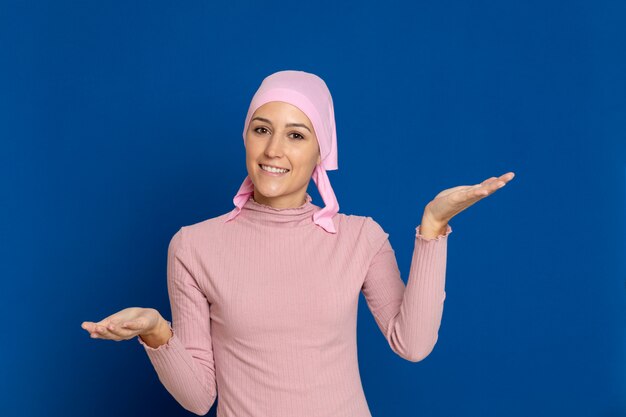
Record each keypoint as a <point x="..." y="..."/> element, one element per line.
<point x="282" y="136"/>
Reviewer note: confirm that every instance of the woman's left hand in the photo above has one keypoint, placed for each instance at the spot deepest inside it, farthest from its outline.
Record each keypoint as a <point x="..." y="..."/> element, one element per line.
<point x="452" y="201"/>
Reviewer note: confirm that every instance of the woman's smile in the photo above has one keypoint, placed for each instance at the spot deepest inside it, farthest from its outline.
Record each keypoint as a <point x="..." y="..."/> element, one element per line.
<point x="274" y="172"/>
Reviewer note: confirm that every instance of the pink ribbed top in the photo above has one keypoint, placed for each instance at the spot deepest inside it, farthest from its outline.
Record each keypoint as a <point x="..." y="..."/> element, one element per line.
<point x="264" y="311"/>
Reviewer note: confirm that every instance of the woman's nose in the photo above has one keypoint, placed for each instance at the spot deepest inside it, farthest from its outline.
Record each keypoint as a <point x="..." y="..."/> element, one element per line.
<point x="274" y="147"/>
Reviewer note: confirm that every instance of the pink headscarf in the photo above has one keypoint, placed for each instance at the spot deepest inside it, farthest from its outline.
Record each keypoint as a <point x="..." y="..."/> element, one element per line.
<point x="310" y="94"/>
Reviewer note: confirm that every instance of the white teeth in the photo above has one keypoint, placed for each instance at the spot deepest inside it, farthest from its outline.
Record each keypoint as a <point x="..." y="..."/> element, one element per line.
<point x="272" y="169"/>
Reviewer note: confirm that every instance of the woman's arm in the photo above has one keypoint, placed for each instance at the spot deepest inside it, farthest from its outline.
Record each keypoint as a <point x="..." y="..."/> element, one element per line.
<point x="409" y="317"/>
<point x="183" y="359"/>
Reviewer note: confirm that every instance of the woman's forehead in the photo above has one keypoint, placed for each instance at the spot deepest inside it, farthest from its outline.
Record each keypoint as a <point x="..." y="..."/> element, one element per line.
<point x="274" y="109"/>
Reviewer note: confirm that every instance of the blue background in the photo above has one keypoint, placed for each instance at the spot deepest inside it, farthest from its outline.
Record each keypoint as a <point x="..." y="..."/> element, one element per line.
<point x="120" y="122"/>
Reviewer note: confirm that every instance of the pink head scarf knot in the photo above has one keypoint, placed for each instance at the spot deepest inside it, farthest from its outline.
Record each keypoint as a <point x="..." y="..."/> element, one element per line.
<point x="310" y="94"/>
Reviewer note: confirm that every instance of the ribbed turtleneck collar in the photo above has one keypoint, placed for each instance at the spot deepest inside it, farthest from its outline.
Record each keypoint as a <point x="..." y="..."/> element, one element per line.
<point x="279" y="217"/>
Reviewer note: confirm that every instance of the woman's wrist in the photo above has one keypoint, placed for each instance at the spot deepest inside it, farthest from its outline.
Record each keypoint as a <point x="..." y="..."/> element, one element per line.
<point x="160" y="335"/>
<point x="430" y="228"/>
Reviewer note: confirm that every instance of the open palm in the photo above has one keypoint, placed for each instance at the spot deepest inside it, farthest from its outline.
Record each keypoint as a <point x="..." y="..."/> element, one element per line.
<point x="452" y="201"/>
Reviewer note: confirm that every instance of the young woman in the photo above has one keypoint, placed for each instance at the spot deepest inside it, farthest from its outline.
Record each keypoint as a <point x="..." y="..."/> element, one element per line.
<point x="264" y="298"/>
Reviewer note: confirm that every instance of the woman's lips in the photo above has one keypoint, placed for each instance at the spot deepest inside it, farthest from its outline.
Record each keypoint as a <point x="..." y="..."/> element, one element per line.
<point x="273" y="174"/>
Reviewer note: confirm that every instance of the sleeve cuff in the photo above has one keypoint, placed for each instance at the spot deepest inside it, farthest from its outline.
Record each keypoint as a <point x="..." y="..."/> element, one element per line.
<point x="164" y="346"/>
<point x="418" y="233"/>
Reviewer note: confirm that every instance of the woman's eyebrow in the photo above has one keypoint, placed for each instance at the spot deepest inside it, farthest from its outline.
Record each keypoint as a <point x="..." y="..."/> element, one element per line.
<point x="287" y="125"/>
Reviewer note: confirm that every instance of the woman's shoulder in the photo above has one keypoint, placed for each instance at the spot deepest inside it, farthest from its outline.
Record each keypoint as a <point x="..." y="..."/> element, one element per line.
<point x="364" y="226"/>
<point x="192" y="234"/>
<point x="357" y="220"/>
<point x="351" y="220"/>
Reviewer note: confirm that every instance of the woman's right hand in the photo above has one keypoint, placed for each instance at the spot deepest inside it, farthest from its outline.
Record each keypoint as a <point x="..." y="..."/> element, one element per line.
<point x="125" y="324"/>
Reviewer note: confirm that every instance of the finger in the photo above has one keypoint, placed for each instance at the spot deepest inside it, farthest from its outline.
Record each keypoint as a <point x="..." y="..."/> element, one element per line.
<point x="494" y="183"/>
<point x="104" y="333"/>
<point x="100" y="330"/>
<point x="488" y="180"/>
<point x="504" y="178"/>
<point x="492" y="187"/>
<point x="91" y="327"/>
<point x="488" y="186"/>
<point x="88" y="325"/>
<point x="479" y="191"/>
<point x="118" y="331"/>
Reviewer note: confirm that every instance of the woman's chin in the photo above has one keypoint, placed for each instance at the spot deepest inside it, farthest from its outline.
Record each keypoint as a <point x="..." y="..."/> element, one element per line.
<point x="269" y="192"/>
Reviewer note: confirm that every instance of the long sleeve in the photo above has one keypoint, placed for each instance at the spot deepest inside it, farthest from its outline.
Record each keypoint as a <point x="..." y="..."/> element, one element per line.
<point x="185" y="364"/>
<point x="408" y="317"/>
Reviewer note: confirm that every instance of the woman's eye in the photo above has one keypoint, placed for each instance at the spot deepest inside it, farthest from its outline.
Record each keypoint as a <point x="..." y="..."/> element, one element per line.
<point x="262" y="131"/>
